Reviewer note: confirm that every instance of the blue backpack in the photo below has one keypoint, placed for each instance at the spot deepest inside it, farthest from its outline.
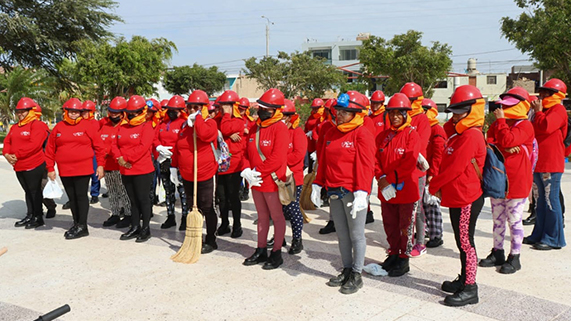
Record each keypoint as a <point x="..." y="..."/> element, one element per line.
<point x="494" y="179"/>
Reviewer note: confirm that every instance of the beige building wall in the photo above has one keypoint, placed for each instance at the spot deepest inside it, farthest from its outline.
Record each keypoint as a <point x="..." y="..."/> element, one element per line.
<point x="248" y="88"/>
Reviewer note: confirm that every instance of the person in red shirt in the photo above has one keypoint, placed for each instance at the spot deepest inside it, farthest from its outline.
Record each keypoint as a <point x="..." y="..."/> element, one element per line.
<point x="322" y="128"/>
<point x="132" y="150"/>
<point x="48" y="202"/>
<point x="460" y="188"/>
<point x="118" y="198"/>
<point x="297" y="149"/>
<point x="166" y="138"/>
<point x="315" y="118"/>
<point x="88" y="114"/>
<point x="378" y="115"/>
<point x="347" y="168"/>
<point x="199" y="123"/>
<point x="265" y="160"/>
<point x="71" y="145"/>
<point x="434" y="152"/>
<point x="154" y="116"/>
<point x="249" y="122"/>
<point x="550" y="125"/>
<point x="513" y="135"/>
<point x="23" y="150"/>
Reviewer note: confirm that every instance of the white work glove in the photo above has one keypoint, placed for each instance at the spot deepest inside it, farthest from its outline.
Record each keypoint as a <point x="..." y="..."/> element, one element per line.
<point x="428" y="198"/>
<point x="191" y="118"/>
<point x="161" y="159"/>
<point x="313" y="156"/>
<point x="165" y="151"/>
<point x="421" y="163"/>
<point x="253" y="177"/>
<point x="316" y="195"/>
<point x="174" y="176"/>
<point x="359" y="203"/>
<point x="389" y="192"/>
<point x="309" y="134"/>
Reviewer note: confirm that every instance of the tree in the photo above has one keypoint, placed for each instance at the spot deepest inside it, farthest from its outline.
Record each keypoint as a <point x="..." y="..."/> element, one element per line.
<point x="124" y="68"/>
<point x="543" y="33"/>
<point x="298" y="74"/>
<point x="405" y="59"/>
<point x="40" y="34"/>
<point x="182" y="80"/>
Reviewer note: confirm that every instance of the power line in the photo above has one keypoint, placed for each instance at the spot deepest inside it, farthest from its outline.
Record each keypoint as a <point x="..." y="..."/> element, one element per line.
<point x="484" y="53"/>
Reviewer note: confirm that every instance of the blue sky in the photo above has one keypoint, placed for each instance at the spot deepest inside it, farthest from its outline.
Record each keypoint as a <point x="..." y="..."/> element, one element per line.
<point x="223" y="33"/>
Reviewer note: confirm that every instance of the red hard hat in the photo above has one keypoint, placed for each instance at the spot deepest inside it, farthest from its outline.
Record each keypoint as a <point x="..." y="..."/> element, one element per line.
<point x="117" y="105"/>
<point x="198" y="97"/>
<point x="229" y="97"/>
<point x="88" y="105"/>
<point x="465" y="95"/>
<point x="378" y="97"/>
<point x="516" y="92"/>
<point x="164" y="103"/>
<point x="289" y="108"/>
<point x="399" y="101"/>
<point x="555" y="85"/>
<point x="532" y="98"/>
<point x="73" y="104"/>
<point x="176" y="102"/>
<point x="330" y="103"/>
<point x="317" y="102"/>
<point x="26" y="103"/>
<point x="216" y="102"/>
<point x="428" y="103"/>
<point x="411" y="90"/>
<point x="352" y="101"/>
<point x="153" y="105"/>
<point x="211" y="106"/>
<point x="244" y="103"/>
<point x="38" y="109"/>
<point x="273" y="98"/>
<point x="136" y="103"/>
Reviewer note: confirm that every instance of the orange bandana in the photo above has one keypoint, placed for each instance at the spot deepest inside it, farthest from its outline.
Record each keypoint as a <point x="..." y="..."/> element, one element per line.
<point x="378" y="111"/>
<point x="248" y="115"/>
<point x="354" y="123"/>
<point x="294" y="120"/>
<point x="139" y="119"/>
<point x="274" y="119"/>
<point x="38" y="115"/>
<point x="406" y="124"/>
<point x="518" y="111"/>
<point x="431" y="114"/>
<point x="69" y="120"/>
<point x="156" y="120"/>
<point x="474" y="119"/>
<point x="318" y="113"/>
<point x="91" y="116"/>
<point x="552" y="100"/>
<point x="236" y="110"/>
<point x="30" y="117"/>
<point x="416" y="107"/>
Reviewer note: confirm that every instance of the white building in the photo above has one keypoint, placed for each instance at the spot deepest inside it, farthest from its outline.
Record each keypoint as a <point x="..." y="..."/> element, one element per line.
<point x="343" y="53"/>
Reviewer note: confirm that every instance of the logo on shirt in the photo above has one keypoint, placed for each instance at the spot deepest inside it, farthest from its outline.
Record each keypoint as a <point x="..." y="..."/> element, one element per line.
<point x="290" y="145"/>
<point x="347" y="144"/>
<point x="176" y="131"/>
<point x="266" y="143"/>
<point x="25" y="133"/>
<point x="449" y="150"/>
<point x="399" y="151"/>
<point x="380" y="124"/>
<point x="78" y="134"/>
<point x="58" y="135"/>
<point x="134" y="136"/>
<point x="104" y="137"/>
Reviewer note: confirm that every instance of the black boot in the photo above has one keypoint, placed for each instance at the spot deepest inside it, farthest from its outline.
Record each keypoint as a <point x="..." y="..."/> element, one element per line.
<point x="296" y="246"/>
<point x="144" y="235"/>
<point x="495" y="258"/>
<point x="170" y="222"/>
<point x="512" y="264"/>
<point x="114" y="219"/>
<point x="223" y="229"/>
<point x="390" y="262"/>
<point x="124" y="222"/>
<point x="182" y="226"/>
<point x="453" y="286"/>
<point x="24" y="221"/>
<point x="370" y="218"/>
<point x="353" y="284"/>
<point x="401" y="267"/>
<point x="70" y="230"/>
<point x="67" y="205"/>
<point x="236" y="232"/>
<point x="51" y="213"/>
<point x="468" y="294"/>
<point x="132" y="233"/>
<point x="530" y="220"/>
<point x="435" y="242"/>
<point x="341" y="278"/>
<point x="260" y="256"/>
<point x="329" y="228"/>
<point x="94" y="200"/>
<point x="274" y="261"/>
<point x="79" y="231"/>
<point x="271" y="242"/>
<point x="36" y="221"/>
<point x="207" y="248"/>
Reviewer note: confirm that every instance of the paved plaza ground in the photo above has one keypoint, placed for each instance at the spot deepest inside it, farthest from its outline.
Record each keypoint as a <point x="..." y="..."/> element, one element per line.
<point x="103" y="278"/>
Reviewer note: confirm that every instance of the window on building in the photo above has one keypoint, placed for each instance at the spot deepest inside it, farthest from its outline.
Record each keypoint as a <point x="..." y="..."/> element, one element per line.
<point x="348" y="54"/>
<point x="492" y="80"/>
<point x="323" y="53"/>
<point x="441" y="84"/>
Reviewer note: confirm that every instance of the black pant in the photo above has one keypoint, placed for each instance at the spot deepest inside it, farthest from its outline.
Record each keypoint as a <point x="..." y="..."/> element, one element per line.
<point x="137" y="187"/>
<point x="457" y="225"/>
<point x="31" y="182"/>
<point x="170" y="189"/>
<point x="204" y="198"/>
<point x="228" y="193"/>
<point x="76" y="188"/>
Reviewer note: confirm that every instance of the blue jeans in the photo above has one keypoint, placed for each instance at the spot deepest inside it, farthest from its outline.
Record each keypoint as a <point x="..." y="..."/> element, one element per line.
<point x="95" y="184"/>
<point x="548" y="227"/>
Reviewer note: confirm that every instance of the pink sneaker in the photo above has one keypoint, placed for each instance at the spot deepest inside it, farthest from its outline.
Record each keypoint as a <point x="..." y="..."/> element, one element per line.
<point x="417" y="250"/>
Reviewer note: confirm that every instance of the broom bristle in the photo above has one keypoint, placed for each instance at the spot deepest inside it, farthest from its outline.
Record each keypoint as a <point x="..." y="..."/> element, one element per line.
<point x="189" y="251"/>
<point x="305" y="197"/>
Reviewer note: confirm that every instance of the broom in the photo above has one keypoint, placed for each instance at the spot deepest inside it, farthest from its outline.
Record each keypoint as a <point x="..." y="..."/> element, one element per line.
<point x="305" y="197"/>
<point x="189" y="251"/>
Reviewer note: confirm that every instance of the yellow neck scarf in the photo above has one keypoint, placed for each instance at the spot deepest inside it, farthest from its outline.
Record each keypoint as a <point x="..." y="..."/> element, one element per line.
<point x="474" y="119"/>
<point x="274" y="119"/>
<point x="236" y="110"/>
<point x="553" y="100"/>
<point x="378" y="111"/>
<point x="416" y="107"/>
<point x="140" y="119"/>
<point x="294" y="121"/>
<point x="518" y="111"/>
<point x="69" y="120"/>
<point x="354" y="123"/>
<point x="248" y="115"/>
<point x="431" y="114"/>
<point x="318" y="113"/>
<point x="30" y="117"/>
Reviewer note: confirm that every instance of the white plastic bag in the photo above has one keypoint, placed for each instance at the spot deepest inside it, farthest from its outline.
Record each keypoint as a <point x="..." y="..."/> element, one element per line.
<point x="429" y="198"/>
<point x="161" y="193"/>
<point x="52" y="190"/>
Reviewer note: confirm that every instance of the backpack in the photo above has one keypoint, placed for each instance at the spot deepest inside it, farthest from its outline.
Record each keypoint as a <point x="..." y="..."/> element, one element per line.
<point x="534" y="151"/>
<point x="222" y="154"/>
<point x="567" y="139"/>
<point x="493" y="178"/>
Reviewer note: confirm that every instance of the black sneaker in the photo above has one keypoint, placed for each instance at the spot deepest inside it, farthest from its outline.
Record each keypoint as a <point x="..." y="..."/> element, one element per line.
<point x="390" y="262"/>
<point x="401" y="268"/>
<point x="207" y="248"/>
<point x="340" y="279"/>
<point x="114" y="219"/>
<point x="223" y="230"/>
<point x="495" y="258"/>
<point x="259" y="256"/>
<point x="124" y="222"/>
<point x="94" y="200"/>
<point x="435" y="242"/>
<point x="329" y="228"/>
<point x="67" y="205"/>
<point x="353" y="284"/>
<point x="236" y="232"/>
<point x="170" y="222"/>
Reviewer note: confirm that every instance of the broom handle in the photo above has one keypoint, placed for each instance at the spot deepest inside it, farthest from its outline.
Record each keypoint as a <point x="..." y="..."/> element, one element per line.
<point x="195" y="170"/>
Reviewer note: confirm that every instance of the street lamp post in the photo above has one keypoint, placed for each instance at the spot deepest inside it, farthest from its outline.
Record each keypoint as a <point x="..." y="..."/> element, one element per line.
<point x="267" y="35"/>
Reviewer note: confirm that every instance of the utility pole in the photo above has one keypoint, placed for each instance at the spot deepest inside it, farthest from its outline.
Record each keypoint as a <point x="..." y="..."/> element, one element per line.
<point x="267" y="35"/>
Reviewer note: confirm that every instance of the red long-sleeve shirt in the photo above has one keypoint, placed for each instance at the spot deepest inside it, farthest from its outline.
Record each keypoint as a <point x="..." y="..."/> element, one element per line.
<point x="435" y="149"/>
<point x="108" y="134"/>
<point x="183" y="154"/>
<point x="381" y="122"/>
<point x="458" y="180"/>
<point x="134" y="144"/>
<point x="421" y="123"/>
<point x="347" y="160"/>
<point x="274" y="141"/>
<point x="26" y="143"/>
<point x="370" y="125"/>
<point x="167" y="134"/>
<point x="72" y="147"/>
<point x="233" y="125"/>
<point x="396" y="156"/>
<point x="518" y="165"/>
<point x="296" y="153"/>
<point x="550" y="130"/>
<point x="310" y="124"/>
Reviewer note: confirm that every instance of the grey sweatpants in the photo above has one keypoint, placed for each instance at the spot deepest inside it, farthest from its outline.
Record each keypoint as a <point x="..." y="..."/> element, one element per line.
<point x="350" y="232"/>
<point x="418" y="219"/>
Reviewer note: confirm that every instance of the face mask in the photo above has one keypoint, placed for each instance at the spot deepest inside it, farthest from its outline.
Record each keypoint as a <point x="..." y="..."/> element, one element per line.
<point x="115" y="120"/>
<point x="131" y="115"/>
<point x="264" y="114"/>
<point x="173" y="114"/>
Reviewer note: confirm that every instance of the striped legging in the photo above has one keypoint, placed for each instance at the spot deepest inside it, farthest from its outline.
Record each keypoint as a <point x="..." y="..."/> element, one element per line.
<point x="117" y="193"/>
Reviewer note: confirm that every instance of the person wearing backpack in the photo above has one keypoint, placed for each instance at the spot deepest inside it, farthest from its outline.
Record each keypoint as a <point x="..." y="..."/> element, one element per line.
<point x="550" y="125"/>
<point x="459" y="186"/>
<point x="513" y="135"/>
